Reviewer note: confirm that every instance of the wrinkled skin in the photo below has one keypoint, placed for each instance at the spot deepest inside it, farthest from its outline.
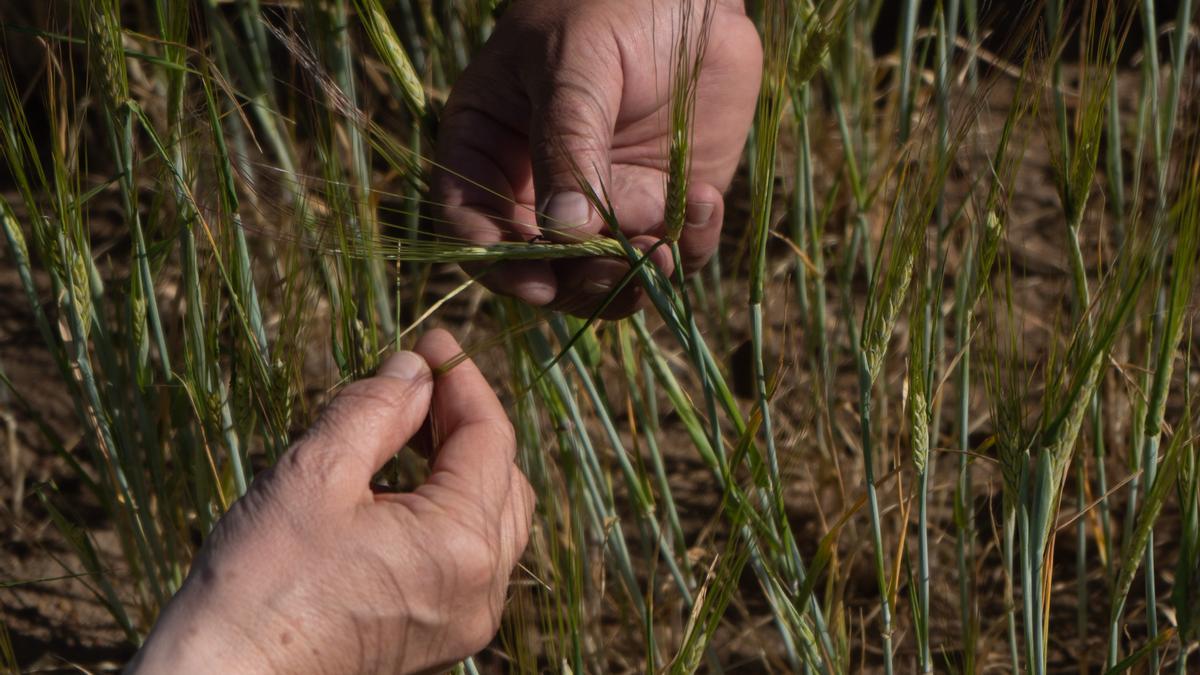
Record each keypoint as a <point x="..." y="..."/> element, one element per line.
<point x="567" y="89"/>
<point x="312" y="572"/>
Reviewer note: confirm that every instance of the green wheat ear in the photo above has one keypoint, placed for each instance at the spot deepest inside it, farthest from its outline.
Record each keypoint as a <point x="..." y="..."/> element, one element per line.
<point x="918" y="377"/>
<point x="889" y="293"/>
<point x="387" y="44"/>
<point x="819" y="28"/>
<point x="685" y="81"/>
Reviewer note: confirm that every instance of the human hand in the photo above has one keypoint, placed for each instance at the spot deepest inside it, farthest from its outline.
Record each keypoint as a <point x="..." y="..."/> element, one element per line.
<point x="312" y="572"/>
<point x="566" y="88"/>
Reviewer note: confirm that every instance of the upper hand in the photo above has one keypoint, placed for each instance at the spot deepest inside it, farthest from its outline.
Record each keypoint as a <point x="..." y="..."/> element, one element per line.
<point x="567" y="89"/>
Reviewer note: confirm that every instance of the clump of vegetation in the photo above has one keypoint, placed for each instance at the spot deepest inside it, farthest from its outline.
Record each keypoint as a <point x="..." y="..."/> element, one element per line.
<point x="960" y="287"/>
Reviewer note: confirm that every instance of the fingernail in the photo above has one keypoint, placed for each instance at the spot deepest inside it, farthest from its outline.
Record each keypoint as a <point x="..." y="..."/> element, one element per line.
<point x="598" y="286"/>
<point x="605" y="276"/>
<point x="404" y="366"/>
<point x="697" y="214"/>
<point x="536" y="293"/>
<point x="566" y="209"/>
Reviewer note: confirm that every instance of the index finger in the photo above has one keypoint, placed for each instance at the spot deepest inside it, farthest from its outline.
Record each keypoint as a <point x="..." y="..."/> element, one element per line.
<point x="474" y="441"/>
<point x="474" y="189"/>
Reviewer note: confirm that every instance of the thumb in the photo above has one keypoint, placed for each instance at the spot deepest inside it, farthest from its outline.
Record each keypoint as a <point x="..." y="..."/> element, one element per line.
<point x="574" y="111"/>
<point x="364" y="426"/>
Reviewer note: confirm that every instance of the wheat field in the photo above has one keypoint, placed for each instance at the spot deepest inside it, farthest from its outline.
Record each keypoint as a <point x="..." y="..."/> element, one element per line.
<point x="928" y="410"/>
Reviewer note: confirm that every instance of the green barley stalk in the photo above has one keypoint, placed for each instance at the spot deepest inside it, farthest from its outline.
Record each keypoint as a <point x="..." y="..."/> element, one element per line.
<point x="1073" y="381"/>
<point x="1115" y="174"/>
<point x="1184" y="594"/>
<point x="674" y="308"/>
<point x="779" y="55"/>
<point x="206" y="390"/>
<point x="964" y="492"/>
<point x="1079" y="142"/>
<point x="678" y="311"/>
<point x="23" y="160"/>
<point x="808" y="230"/>
<point x="781" y="24"/>
<point x="104" y="43"/>
<point x="635" y="481"/>
<point x="795" y="44"/>
<point x="1178" y="292"/>
<point x="344" y="162"/>
<point x="1133" y="552"/>
<point x="984" y="252"/>
<point x="561" y="597"/>
<point x="927" y="334"/>
<point x="640" y="384"/>
<point x="920" y="394"/>
<point x="889" y="288"/>
<point x="1162" y="131"/>
<point x="600" y="497"/>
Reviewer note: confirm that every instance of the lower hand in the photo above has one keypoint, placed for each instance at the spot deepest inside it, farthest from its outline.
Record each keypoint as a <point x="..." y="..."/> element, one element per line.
<point x="312" y="572"/>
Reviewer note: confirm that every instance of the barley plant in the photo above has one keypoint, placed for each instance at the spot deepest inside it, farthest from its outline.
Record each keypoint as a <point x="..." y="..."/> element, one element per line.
<point x="929" y="409"/>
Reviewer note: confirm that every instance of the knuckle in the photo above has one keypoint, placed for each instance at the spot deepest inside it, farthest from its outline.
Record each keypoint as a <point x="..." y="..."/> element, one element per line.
<point x="475" y="554"/>
<point x="480" y="566"/>
<point x="274" y="512"/>
<point x="505" y="434"/>
<point x="300" y="470"/>
<point x="481" y="627"/>
<point x="520" y="536"/>
<point x="525" y="487"/>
